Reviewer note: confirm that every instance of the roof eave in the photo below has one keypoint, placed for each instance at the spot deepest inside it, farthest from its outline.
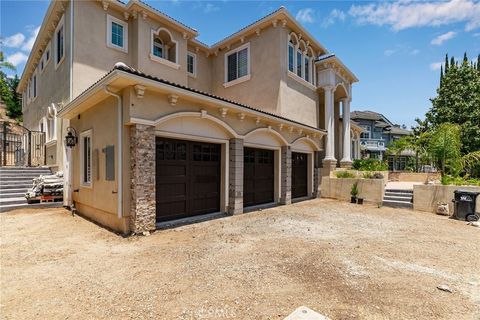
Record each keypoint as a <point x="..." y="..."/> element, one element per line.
<point x="69" y="110"/>
<point x="344" y="67"/>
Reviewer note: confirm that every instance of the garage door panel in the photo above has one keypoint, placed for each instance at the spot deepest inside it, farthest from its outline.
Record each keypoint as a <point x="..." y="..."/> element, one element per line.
<point x="299" y="175"/>
<point x="258" y="176"/>
<point x="188" y="178"/>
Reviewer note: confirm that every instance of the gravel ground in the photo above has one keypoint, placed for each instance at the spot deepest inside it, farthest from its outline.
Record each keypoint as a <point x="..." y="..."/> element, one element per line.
<point x="344" y="261"/>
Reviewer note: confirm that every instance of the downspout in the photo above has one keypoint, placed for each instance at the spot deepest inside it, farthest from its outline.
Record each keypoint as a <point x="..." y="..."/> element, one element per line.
<point x="119" y="151"/>
<point x="67" y="152"/>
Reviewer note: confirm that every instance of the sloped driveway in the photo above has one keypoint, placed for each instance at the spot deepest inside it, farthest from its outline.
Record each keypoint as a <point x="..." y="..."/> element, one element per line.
<point x="342" y="260"/>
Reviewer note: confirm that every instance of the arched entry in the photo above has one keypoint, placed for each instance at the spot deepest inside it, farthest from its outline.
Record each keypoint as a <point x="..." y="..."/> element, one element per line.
<point x="262" y="166"/>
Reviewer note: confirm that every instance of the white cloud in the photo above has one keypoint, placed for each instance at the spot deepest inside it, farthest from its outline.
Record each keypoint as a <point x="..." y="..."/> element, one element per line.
<point x="476" y="34"/>
<point x="209" y="7"/>
<point x="28" y="45"/>
<point x="14" y="41"/>
<point x="334" y="16"/>
<point x="305" y="15"/>
<point x="389" y="52"/>
<point x="17" y="58"/>
<point x="408" y="14"/>
<point x="443" y="37"/>
<point x="435" y="66"/>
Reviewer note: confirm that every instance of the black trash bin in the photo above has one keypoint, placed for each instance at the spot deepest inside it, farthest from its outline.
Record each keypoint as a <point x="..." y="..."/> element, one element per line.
<point x="465" y="205"/>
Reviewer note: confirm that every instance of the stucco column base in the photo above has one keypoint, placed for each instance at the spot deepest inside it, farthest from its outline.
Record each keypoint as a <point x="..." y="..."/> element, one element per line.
<point x="345" y="164"/>
<point x="329" y="165"/>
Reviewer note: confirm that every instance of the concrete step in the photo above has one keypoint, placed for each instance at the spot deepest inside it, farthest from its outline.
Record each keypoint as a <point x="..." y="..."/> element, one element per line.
<point x="13" y="190"/>
<point x="17" y="178"/>
<point x="15" y="186"/>
<point x="5" y="208"/>
<point x="397" y="198"/>
<point x="12" y="195"/>
<point x="12" y="171"/>
<point x="397" y="204"/>
<point x="14" y="200"/>
<point x="399" y="191"/>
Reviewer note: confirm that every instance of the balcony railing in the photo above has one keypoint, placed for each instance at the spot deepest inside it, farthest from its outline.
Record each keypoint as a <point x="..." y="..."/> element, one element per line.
<point x="373" y="144"/>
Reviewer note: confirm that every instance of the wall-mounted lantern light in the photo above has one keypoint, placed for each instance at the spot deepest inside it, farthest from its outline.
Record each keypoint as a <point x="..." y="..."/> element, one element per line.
<point x="71" y="138"/>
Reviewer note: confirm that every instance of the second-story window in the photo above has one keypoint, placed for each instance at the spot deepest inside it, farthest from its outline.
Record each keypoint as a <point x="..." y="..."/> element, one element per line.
<point x="366" y="132"/>
<point x="299" y="63"/>
<point x="291" y="58"/>
<point x="300" y="59"/>
<point x="158" y="49"/>
<point x="237" y="63"/>
<point x="192" y="64"/>
<point x="34" y="83"/>
<point x="59" y="43"/>
<point x="117" y="34"/>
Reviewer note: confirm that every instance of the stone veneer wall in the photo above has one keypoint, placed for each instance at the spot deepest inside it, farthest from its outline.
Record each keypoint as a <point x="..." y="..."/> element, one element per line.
<point x="286" y="175"/>
<point x="235" y="184"/>
<point x="143" y="202"/>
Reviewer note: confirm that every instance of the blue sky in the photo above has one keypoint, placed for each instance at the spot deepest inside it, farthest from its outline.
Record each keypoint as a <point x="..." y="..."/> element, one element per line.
<point x="394" y="48"/>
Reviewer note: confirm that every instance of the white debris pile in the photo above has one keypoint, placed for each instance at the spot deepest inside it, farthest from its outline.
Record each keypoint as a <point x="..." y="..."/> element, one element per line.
<point x="46" y="185"/>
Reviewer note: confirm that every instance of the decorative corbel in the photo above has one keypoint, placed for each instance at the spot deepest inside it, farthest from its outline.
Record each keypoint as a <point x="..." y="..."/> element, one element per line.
<point x="284" y="23"/>
<point x="227" y="47"/>
<point x="223" y="112"/>
<point x="207" y="54"/>
<point x="216" y="52"/>
<point x="185" y="35"/>
<point x="139" y="90"/>
<point x="300" y="131"/>
<point x="105" y="5"/>
<point x="197" y="49"/>
<point x="290" y="129"/>
<point x="280" y="126"/>
<point x="172" y="99"/>
<point x="134" y="14"/>
<point x="241" y="116"/>
<point x="257" y="31"/>
<point x="242" y="39"/>
<point x="274" y="23"/>
<point x="144" y="15"/>
<point x="299" y="36"/>
<point x="126" y="15"/>
<point x="257" y="120"/>
<point x="269" y="128"/>
<point x="203" y="113"/>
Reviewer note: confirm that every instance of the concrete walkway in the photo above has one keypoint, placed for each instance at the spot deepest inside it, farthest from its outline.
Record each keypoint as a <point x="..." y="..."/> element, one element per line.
<point x="407" y="185"/>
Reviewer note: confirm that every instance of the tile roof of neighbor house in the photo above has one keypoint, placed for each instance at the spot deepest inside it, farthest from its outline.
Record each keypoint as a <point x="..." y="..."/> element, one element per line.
<point x="130" y="70"/>
<point x="380" y="121"/>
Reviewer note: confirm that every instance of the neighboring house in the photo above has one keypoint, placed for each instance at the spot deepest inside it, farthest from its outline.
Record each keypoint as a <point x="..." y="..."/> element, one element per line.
<point x="178" y="128"/>
<point x="378" y="133"/>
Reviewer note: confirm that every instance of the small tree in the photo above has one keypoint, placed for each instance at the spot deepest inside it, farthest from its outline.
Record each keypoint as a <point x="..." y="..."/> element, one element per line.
<point x="444" y="146"/>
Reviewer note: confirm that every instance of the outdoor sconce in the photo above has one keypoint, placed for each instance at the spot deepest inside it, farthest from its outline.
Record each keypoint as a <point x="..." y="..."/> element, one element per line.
<point x="71" y="139"/>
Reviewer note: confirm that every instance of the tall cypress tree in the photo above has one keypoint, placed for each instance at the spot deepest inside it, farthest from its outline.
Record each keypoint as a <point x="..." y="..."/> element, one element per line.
<point x="446" y="63"/>
<point x="441" y="75"/>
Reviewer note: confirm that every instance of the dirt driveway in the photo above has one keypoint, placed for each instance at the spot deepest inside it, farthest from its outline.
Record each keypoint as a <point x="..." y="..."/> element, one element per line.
<point x="342" y="260"/>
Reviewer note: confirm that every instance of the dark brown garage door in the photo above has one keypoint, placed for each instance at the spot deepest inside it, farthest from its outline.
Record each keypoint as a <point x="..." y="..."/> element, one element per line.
<point x="258" y="178"/>
<point x="299" y="175"/>
<point x="187" y="178"/>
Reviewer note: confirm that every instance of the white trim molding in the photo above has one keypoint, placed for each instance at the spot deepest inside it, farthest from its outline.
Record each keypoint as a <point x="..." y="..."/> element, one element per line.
<point x="124" y="24"/>
<point x="164" y="60"/>
<point x="246" y="77"/>
<point x="84" y="134"/>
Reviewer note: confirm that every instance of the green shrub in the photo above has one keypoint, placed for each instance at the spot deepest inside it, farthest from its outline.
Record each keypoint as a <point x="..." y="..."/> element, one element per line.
<point x="459" y="181"/>
<point x="344" y="174"/>
<point x="372" y="175"/>
<point x="354" y="190"/>
<point x="369" y="165"/>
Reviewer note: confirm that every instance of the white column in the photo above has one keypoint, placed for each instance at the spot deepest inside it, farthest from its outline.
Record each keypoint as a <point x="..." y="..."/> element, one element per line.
<point x="329" y="124"/>
<point x="346" y="131"/>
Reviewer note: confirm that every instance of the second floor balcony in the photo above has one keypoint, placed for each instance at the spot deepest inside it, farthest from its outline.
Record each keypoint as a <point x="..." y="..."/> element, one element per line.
<point x="373" y="144"/>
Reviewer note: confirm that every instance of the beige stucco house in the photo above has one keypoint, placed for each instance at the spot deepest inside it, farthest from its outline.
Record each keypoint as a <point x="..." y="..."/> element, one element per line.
<point x="169" y="127"/>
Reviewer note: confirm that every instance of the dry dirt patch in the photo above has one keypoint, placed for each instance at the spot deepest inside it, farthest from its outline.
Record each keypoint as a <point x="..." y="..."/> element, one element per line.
<point x="342" y="260"/>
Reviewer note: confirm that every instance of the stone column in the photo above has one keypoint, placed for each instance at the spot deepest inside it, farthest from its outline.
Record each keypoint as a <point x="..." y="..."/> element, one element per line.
<point x="142" y="171"/>
<point x="286" y="175"/>
<point x="329" y="162"/>
<point x="346" y="161"/>
<point x="235" y="184"/>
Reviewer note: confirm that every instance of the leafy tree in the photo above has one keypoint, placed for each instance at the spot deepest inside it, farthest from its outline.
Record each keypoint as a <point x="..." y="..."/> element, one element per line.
<point x="8" y="91"/>
<point x="458" y="102"/>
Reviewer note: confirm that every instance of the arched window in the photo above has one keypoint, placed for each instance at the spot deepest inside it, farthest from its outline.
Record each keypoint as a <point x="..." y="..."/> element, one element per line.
<point x="158" y="49"/>
<point x="164" y="48"/>
<point x="300" y="58"/>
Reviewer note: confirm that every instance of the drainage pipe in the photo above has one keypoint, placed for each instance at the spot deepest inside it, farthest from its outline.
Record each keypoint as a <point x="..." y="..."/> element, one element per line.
<point x="119" y="151"/>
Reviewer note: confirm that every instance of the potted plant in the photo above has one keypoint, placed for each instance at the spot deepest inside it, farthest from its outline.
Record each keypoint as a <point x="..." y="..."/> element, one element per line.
<point x="354" y="193"/>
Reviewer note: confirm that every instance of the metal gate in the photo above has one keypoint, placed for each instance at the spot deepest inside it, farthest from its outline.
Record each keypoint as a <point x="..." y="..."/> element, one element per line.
<point x="21" y="147"/>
